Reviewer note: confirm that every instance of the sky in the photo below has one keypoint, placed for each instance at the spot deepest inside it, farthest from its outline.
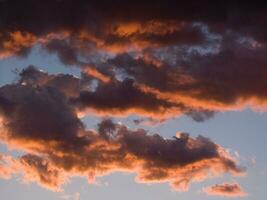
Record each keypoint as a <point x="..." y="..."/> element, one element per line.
<point x="130" y="99"/>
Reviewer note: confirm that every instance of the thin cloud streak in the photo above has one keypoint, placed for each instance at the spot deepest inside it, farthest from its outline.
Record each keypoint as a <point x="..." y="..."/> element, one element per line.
<point x="226" y="190"/>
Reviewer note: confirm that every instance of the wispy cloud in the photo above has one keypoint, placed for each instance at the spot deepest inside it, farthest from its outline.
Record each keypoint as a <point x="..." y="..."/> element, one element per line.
<point x="225" y="189"/>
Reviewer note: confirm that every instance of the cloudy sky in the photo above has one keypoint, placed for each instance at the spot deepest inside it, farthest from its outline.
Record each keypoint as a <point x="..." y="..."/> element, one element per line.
<point x="133" y="100"/>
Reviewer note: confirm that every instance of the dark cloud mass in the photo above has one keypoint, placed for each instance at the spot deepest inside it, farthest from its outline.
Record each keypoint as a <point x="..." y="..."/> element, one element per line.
<point x="157" y="60"/>
<point x="39" y="115"/>
<point x="185" y="57"/>
<point x="53" y="158"/>
<point x="107" y="98"/>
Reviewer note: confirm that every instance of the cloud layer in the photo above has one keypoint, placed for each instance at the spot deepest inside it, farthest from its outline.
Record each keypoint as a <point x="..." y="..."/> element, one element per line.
<point x="188" y="58"/>
<point x="172" y="58"/>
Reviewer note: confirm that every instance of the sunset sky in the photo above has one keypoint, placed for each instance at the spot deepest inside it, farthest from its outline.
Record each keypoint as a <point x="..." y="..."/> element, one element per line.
<point x="133" y="100"/>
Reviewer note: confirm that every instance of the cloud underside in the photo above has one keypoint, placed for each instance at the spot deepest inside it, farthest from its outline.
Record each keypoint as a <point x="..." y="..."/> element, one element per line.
<point x="171" y="59"/>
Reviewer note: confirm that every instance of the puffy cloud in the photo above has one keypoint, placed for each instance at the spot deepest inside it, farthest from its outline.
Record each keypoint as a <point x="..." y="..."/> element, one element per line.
<point x="69" y="85"/>
<point x="226" y="189"/>
<point x="38" y="116"/>
<point x="61" y="147"/>
<point x="110" y="96"/>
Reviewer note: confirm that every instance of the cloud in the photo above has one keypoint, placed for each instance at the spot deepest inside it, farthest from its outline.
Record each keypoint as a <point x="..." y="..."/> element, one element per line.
<point x="225" y="189"/>
<point x="51" y="107"/>
<point x="148" y="121"/>
<point x="33" y="169"/>
<point x="55" y="155"/>
<point x="202" y="80"/>
<point x="93" y="25"/>
<point x="5" y="166"/>
<point x="19" y="42"/>
<point x="91" y="71"/>
<point x="173" y="58"/>
<point x="123" y="97"/>
<point x="180" y="58"/>
<point x="67" y="84"/>
<point x="108" y="97"/>
<point x="75" y="196"/>
<point x="39" y="116"/>
<point x="196" y="91"/>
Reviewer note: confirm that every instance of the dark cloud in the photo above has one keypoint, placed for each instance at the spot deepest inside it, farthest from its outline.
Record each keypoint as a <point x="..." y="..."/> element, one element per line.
<point x="231" y="77"/>
<point x="146" y="72"/>
<point x="195" y="87"/>
<point x="66" y="53"/>
<point x="52" y="14"/>
<point x="65" y="83"/>
<point x="40" y="119"/>
<point x="200" y="116"/>
<point x="37" y="112"/>
<point x="184" y="55"/>
<point x="114" y="25"/>
<point x="149" y="121"/>
<point x="122" y="96"/>
<point x="178" y="161"/>
<point x="110" y="96"/>
<point x="237" y="72"/>
<point x="172" y="58"/>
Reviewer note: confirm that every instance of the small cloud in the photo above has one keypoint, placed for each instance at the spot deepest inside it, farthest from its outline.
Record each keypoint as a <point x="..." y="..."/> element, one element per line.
<point x="225" y="189"/>
<point x="75" y="196"/>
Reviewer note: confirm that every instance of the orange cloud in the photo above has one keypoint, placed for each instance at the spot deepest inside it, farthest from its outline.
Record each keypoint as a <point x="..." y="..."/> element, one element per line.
<point x="52" y="160"/>
<point x="32" y="169"/>
<point x="18" y="41"/>
<point x="161" y="63"/>
<point x="187" y="80"/>
<point x="115" y="37"/>
<point x="96" y="74"/>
